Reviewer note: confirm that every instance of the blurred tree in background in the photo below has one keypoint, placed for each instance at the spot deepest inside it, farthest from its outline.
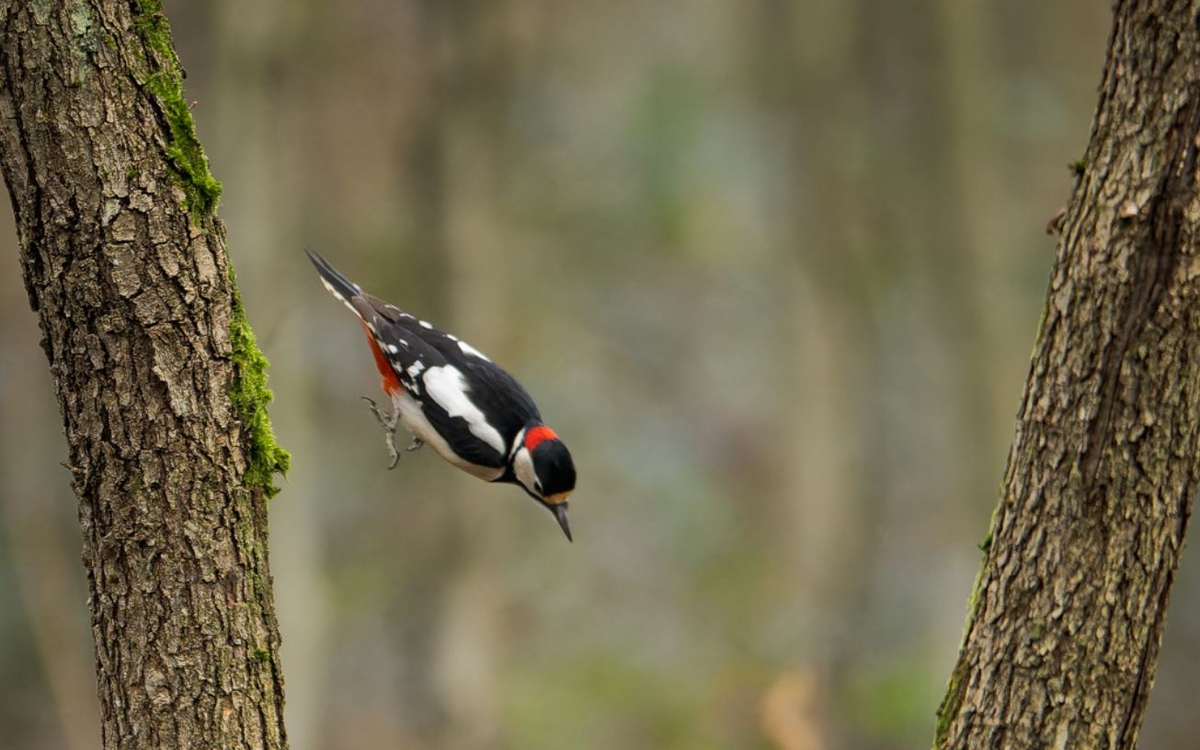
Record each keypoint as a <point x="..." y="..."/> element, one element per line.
<point x="774" y="267"/>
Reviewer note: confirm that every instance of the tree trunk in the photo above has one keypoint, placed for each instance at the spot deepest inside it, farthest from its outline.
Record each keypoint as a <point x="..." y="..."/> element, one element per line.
<point x="1064" y="627"/>
<point x="161" y="385"/>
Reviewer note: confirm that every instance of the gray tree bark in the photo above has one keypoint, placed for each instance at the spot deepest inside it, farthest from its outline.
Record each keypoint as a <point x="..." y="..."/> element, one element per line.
<point x="162" y="388"/>
<point x="1063" y="632"/>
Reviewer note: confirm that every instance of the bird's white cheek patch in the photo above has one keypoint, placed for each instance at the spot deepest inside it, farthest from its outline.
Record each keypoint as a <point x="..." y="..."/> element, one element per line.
<point x="523" y="467"/>
<point x="447" y="386"/>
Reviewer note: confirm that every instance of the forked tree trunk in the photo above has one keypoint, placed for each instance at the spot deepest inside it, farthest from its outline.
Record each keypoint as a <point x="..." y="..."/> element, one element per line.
<point x="1064" y="626"/>
<point x="161" y="385"/>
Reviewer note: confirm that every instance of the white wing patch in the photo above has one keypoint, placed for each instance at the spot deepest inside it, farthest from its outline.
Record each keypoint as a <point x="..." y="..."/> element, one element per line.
<point x="426" y="324"/>
<point x="518" y="441"/>
<point x="447" y="386"/>
<point x="415" y="421"/>
<point x="468" y="349"/>
<point x="415" y="369"/>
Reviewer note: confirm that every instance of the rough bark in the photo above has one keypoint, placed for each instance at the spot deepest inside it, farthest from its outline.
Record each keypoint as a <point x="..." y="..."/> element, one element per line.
<point x="161" y="386"/>
<point x="1063" y="633"/>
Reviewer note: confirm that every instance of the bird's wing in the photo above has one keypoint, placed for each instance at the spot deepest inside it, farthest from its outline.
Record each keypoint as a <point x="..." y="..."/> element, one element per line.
<point x="409" y="356"/>
<point x="446" y="389"/>
<point x="492" y="391"/>
<point x="451" y="403"/>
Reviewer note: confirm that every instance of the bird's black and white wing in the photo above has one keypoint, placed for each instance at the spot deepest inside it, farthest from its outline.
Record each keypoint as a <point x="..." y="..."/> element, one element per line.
<point x="475" y="406"/>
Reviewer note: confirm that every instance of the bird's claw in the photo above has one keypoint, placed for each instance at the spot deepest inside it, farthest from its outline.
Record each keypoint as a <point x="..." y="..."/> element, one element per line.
<point x="416" y="443"/>
<point x="392" y="452"/>
<point x="388" y="422"/>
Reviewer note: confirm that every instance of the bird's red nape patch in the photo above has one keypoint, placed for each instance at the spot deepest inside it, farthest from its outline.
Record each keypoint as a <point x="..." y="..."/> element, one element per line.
<point x="391" y="383"/>
<point x="537" y="436"/>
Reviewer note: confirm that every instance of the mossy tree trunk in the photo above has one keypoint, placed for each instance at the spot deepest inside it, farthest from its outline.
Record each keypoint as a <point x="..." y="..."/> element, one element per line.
<point x="1063" y="633"/>
<point x="161" y="385"/>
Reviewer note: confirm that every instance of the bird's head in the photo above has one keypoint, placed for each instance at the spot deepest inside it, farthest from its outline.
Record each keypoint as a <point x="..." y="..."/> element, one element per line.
<point x="543" y="466"/>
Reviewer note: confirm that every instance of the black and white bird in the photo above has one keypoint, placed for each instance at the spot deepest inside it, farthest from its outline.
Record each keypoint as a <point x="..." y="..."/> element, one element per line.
<point x="454" y="399"/>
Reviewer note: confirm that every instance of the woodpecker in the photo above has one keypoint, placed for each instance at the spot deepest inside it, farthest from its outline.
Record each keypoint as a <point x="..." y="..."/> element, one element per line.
<point x="453" y="398"/>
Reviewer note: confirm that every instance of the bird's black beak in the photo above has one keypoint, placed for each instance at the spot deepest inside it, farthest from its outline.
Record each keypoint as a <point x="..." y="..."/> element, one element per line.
<point x="560" y="512"/>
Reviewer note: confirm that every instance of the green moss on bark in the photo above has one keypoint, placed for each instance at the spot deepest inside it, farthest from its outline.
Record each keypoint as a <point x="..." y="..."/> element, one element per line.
<point x="952" y="703"/>
<point x="250" y="395"/>
<point x="164" y="79"/>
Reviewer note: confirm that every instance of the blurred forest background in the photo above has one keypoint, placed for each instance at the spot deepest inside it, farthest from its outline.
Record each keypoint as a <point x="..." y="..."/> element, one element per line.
<point x="773" y="269"/>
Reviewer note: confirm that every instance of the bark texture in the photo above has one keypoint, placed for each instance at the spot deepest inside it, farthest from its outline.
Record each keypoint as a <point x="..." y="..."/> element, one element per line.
<point x="1064" y="628"/>
<point x="161" y="386"/>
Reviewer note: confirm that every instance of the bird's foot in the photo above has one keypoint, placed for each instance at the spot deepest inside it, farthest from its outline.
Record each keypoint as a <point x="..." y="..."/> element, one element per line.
<point x="388" y="421"/>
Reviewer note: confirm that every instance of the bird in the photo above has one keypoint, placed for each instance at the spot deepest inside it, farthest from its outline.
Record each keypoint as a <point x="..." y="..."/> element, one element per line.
<point x="453" y="398"/>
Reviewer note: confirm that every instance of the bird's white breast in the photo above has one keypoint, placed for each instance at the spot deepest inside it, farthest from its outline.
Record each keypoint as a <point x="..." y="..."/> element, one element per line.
<point x="415" y="421"/>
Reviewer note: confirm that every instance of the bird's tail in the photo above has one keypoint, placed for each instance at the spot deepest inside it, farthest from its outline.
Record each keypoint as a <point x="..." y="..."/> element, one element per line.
<point x="338" y="285"/>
